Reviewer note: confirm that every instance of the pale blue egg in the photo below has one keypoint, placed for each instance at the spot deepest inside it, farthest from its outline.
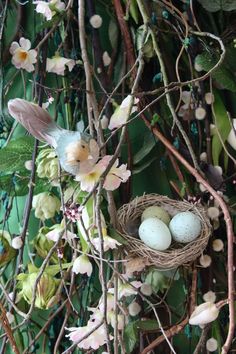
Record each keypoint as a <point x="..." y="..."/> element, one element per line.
<point x="185" y="227"/>
<point x="155" y="234"/>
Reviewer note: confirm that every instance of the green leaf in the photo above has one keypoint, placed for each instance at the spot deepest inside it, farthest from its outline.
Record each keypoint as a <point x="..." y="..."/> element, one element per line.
<point x="142" y="167"/>
<point x="222" y="75"/>
<point x="114" y="234"/>
<point x="130" y="336"/>
<point x="14" y="155"/>
<point x="217" y="5"/>
<point x="147" y="325"/>
<point x="224" y="127"/>
<point x="148" y="144"/>
<point x="134" y="10"/>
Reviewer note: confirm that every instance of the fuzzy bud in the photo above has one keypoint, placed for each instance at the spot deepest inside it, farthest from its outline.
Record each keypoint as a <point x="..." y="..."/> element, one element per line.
<point x="95" y="21"/>
<point x="134" y="308"/>
<point x="218" y="245"/>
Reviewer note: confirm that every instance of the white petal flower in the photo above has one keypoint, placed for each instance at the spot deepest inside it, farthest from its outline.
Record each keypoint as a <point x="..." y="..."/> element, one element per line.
<point x="95" y="21"/>
<point x="49" y="9"/>
<point x="108" y="243"/>
<point x="17" y="242"/>
<point x="120" y="116"/>
<point x="232" y="135"/>
<point x="134" y="308"/>
<point x="58" y="65"/>
<point x="22" y="56"/>
<point x="218" y="245"/>
<point x="204" y="313"/>
<point x="210" y="296"/>
<point x="211" y="345"/>
<point x="82" y="265"/>
<point x="205" y="261"/>
<point x="45" y="205"/>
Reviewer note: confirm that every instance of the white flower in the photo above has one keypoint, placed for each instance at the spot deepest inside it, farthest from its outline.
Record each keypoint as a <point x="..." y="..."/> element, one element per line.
<point x="210" y="296"/>
<point x="134" y="308"/>
<point x="108" y="243"/>
<point x="146" y="289"/>
<point x="211" y="345"/>
<point x="17" y="242"/>
<point x="205" y="260"/>
<point x="82" y="265"/>
<point x="200" y="113"/>
<point x="95" y="21"/>
<point x="106" y="59"/>
<point x="22" y="56"/>
<point x="49" y="9"/>
<point x="45" y="205"/>
<point x="213" y="213"/>
<point x="218" y="245"/>
<point x="204" y="313"/>
<point x="54" y="234"/>
<point x="209" y="98"/>
<point x="58" y="65"/>
<point x="232" y="136"/>
<point x="120" y="116"/>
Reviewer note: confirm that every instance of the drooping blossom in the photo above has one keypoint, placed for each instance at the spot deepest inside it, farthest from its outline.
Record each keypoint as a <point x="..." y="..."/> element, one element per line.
<point x="121" y="114"/>
<point x="204" y="313"/>
<point x="45" y="205"/>
<point x="82" y="265"/>
<point x="205" y="261"/>
<point x="49" y="9"/>
<point x="108" y="243"/>
<point x="94" y="340"/>
<point x="22" y="56"/>
<point x="186" y="97"/>
<point x="56" y="231"/>
<point x="57" y="64"/>
<point x="146" y="289"/>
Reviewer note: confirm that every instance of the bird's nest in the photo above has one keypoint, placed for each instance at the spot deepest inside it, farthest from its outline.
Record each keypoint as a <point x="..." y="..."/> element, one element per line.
<point x="178" y="254"/>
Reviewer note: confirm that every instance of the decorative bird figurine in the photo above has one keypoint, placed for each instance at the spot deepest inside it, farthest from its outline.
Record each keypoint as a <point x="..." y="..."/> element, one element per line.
<point x="77" y="151"/>
<point x="6" y="251"/>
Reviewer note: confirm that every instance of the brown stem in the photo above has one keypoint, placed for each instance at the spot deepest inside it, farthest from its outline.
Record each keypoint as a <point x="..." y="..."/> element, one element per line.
<point x="229" y="228"/>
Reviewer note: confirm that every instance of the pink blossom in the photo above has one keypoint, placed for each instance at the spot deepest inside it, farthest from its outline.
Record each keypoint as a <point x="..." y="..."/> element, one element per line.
<point x="58" y="65"/>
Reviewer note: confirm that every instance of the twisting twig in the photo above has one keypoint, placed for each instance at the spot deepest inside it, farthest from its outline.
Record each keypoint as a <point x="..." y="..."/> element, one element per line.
<point x="229" y="228"/>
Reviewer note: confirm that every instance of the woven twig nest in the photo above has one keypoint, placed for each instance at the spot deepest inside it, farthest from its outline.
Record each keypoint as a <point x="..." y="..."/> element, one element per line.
<point x="177" y="254"/>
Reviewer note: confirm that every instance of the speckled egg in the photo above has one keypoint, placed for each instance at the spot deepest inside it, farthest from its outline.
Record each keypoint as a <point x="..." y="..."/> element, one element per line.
<point x="155" y="234"/>
<point x="185" y="227"/>
<point x="156" y="212"/>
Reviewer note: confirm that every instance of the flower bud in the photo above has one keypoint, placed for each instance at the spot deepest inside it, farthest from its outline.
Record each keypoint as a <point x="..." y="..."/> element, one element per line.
<point x="211" y="345"/>
<point x="210" y="296"/>
<point x="146" y="289"/>
<point x="95" y="21"/>
<point x="204" y="313"/>
<point x="205" y="261"/>
<point x="45" y="205"/>
<point x="43" y="245"/>
<point x="213" y="213"/>
<point x="134" y="308"/>
<point x="209" y="98"/>
<point x="218" y="245"/>
<point x="48" y="165"/>
<point x="10" y="317"/>
<point x="17" y="242"/>
<point x="29" y="165"/>
<point x="200" y="113"/>
<point x="106" y="59"/>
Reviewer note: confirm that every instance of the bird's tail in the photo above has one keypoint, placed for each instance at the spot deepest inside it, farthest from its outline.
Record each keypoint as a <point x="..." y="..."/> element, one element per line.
<point x="35" y="120"/>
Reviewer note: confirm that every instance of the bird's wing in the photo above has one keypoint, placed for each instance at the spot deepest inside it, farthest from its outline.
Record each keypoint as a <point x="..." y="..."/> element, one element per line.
<point x="35" y="120"/>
